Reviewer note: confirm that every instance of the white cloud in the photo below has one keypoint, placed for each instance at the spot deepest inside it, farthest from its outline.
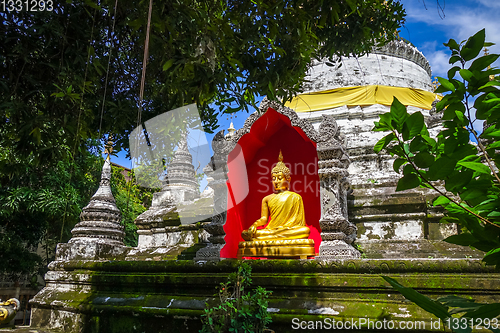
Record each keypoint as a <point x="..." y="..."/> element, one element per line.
<point x="439" y="63"/>
<point x="458" y="20"/>
<point x="477" y="124"/>
<point x="490" y="3"/>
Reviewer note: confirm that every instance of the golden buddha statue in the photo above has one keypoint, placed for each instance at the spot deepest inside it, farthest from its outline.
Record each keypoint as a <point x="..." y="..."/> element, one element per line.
<point x="286" y="234"/>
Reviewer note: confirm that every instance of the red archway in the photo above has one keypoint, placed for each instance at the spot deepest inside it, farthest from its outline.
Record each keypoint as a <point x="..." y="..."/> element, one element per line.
<point x="257" y="152"/>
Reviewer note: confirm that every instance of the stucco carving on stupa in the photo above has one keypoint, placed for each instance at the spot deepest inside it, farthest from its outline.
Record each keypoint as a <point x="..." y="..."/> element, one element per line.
<point x="99" y="233"/>
<point x="175" y="206"/>
<point x="395" y="64"/>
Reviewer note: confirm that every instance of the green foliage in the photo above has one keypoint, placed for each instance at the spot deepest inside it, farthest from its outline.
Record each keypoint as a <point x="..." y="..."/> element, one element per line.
<point x="469" y="173"/>
<point x="53" y="65"/>
<point x="238" y="311"/>
<point x="40" y="205"/>
<point x="131" y="199"/>
<point x="447" y="308"/>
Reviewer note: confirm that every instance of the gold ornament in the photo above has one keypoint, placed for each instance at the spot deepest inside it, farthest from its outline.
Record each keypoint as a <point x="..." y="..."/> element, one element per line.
<point x="281" y="167"/>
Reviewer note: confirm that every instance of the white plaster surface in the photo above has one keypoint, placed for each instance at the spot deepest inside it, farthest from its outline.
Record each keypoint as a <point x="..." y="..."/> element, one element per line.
<point x="371" y="69"/>
<point x="407" y="230"/>
<point x="356" y="123"/>
<point x="324" y="311"/>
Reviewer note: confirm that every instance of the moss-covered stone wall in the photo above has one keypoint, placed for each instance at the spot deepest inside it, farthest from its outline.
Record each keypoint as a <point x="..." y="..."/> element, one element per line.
<point x="169" y="296"/>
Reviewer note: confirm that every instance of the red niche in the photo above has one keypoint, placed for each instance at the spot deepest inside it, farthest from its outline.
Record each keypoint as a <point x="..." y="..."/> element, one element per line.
<point x="249" y="175"/>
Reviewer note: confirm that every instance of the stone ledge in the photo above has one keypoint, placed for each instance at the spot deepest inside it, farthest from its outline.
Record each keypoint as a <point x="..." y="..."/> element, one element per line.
<point x="283" y="266"/>
<point x="173" y="298"/>
<point x="438" y="250"/>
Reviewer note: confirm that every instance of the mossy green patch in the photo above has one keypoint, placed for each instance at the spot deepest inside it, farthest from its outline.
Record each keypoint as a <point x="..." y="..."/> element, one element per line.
<point x="164" y="296"/>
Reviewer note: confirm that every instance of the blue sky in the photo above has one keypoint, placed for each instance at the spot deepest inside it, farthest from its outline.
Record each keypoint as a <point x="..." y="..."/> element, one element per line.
<point x="429" y="24"/>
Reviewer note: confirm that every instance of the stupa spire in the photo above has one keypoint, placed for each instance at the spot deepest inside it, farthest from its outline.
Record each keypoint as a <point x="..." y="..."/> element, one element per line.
<point x="181" y="180"/>
<point x="100" y="219"/>
<point x="230" y="132"/>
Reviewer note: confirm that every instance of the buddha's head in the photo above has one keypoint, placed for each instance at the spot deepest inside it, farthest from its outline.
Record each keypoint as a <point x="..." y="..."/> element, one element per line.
<point x="281" y="176"/>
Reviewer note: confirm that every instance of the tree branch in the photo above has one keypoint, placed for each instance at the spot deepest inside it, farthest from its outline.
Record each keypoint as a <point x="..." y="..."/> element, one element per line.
<point x="485" y="155"/>
<point x="401" y="144"/>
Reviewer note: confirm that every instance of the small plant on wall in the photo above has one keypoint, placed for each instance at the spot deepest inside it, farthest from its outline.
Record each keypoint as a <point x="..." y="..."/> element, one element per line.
<point x="236" y="310"/>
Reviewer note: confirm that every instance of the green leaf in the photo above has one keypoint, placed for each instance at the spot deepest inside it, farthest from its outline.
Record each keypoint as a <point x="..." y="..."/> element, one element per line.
<point x="453" y="208"/>
<point x="418" y="144"/>
<point x="455" y="301"/>
<point x="490" y="84"/>
<point x="398" y="163"/>
<point x="92" y="4"/>
<point x="464" y="239"/>
<point x="408" y="169"/>
<point x="422" y="301"/>
<point x="453" y="71"/>
<point x="382" y="143"/>
<point x="473" y="46"/>
<point x="441" y="200"/>
<point x="486" y="112"/>
<point x="463" y="150"/>
<point x="429" y="140"/>
<point x="452" y="45"/>
<point x="424" y="159"/>
<point x="476" y="166"/>
<point x="168" y="64"/>
<point x="483" y="111"/>
<point x="386" y="119"/>
<point x="441" y="168"/>
<point x="461" y="118"/>
<point x="466" y="74"/>
<point x="352" y="4"/>
<point x="447" y="85"/>
<point x="491" y="71"/>
<point x="443" y="102"/>
<point x="424" y="131"/>
<point x="472" y="195"/>
<point x="414" y="125"/>
<point x="489" y="131"/>
<point x="398" y="113"/>
<point x="37" y="135"/>
<point x="493" y="145"/>
<point x="492" y="257"/>
<point x="453" y="60"/>
<point x="408" y="181"/>
<point x="483" y="183"/>
<point x="483" y="62"/>
<point x="491" y="99"/>
<point x="492" y="134"/>
<point x="486" y="311"/>
<point x="449" y="113"/>
<point x="470" y="158"/>
<point x="488" y="204"/>
<point x="385" y="123"/>
<point x="457" y="181"/>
